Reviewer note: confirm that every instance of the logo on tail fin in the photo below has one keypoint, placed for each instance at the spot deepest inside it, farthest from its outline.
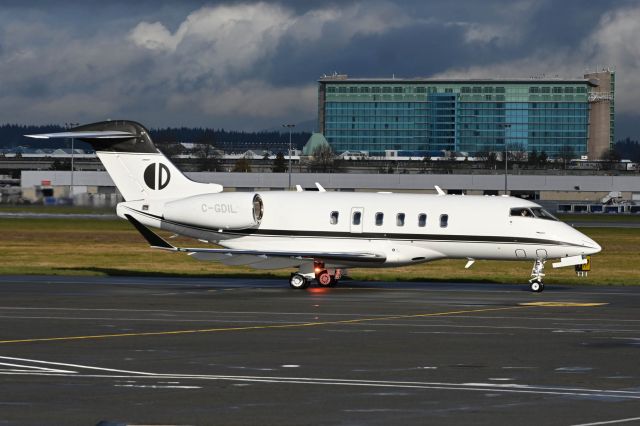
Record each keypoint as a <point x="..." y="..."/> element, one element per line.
<point x="157" y="176"/>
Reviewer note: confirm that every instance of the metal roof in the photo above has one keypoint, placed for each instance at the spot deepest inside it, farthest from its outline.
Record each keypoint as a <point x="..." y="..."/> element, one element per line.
<point x="380" y="182"/>
<point x="427" y="80"/>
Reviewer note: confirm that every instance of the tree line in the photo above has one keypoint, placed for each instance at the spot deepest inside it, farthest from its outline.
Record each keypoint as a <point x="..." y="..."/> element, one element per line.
<point x="12" y="136"/>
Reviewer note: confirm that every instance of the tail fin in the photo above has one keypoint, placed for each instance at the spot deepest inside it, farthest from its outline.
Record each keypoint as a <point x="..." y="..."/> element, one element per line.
<point x="136" y="166"/>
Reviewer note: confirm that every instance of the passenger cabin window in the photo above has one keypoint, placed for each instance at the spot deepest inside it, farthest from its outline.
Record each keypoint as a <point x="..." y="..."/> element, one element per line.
<point x="334" y="218"/>
<point x="379" y="218"/>
<point x="357" y="217"/>
<point x="422" y="220"/>
<point x="400" y="219"/>
<point x="444" y="220"/>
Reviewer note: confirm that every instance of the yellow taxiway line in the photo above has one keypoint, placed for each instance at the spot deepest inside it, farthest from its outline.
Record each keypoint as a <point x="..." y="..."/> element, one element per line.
<point x="297" y="325"/>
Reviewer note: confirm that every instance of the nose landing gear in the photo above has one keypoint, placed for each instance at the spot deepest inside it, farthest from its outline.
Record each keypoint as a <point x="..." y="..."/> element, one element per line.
<point x="537" y="273"/>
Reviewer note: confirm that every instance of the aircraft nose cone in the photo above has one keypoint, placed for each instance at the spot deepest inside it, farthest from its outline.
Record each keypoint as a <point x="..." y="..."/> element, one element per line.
<point x="586" y="244"/>
<point x="592" y="246"/>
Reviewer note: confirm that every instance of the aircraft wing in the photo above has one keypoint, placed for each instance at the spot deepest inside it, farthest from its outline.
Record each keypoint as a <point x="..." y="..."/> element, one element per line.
<point x="261" y="259"/>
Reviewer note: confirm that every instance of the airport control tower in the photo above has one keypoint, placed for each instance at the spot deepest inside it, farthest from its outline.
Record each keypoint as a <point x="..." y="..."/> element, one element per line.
<point x="601" y="112"/>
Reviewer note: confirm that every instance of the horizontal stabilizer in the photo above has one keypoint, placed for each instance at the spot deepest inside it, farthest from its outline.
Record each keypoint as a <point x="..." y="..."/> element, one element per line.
<point x="115" y="136"/>
<point x="155" y="241"/>
<point x="106" y="134"/>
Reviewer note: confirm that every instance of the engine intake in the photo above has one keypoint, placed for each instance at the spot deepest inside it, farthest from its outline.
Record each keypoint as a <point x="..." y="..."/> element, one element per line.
<point x="227" y="210"/>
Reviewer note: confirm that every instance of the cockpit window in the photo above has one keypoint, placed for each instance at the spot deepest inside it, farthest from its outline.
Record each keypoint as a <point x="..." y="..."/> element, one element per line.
<point x="532" y="212"/>
<point x="543" y="214"/>
<point x="521" y="211"/>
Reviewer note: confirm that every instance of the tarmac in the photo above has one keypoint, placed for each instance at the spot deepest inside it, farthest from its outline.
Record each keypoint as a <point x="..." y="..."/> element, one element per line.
<point x="181" y="351"/>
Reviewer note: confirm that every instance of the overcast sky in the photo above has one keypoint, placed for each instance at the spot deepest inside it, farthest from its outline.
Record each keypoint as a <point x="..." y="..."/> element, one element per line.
<point x="255" y="65"/>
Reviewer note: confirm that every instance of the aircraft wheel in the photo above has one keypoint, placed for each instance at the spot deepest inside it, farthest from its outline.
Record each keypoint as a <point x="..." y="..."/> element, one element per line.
<point x="536" y="287"/>
<point x="298" y="281"/>
<point x="324" y="279"/>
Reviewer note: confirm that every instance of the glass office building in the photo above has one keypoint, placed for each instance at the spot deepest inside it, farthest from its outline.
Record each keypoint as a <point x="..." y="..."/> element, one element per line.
<point x="423" y="116"/>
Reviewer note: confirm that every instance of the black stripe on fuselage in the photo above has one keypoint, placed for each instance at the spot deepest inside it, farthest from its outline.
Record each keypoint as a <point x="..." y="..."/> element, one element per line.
<point x="365" y="235"/>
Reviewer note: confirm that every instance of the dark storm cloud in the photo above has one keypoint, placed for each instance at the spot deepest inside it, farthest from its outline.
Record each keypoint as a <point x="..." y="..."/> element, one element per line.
<point x="247" y="65"/>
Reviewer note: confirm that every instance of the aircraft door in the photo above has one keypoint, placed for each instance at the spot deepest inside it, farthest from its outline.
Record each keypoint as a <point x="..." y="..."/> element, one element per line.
<point x="541" y="254"/>
<point x="357" y="217"/>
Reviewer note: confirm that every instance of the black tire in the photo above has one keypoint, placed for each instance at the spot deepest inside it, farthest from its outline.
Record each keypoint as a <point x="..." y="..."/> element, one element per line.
<point x="298" y="282"/>
<point x="536" y="287"/>
<point x="324" y="279"/>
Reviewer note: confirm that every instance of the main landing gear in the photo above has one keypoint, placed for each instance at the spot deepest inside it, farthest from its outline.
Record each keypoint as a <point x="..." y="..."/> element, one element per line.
<point x="298" y="281"/>
<point x="537" y="273"/>
<point x="325" y="277"/>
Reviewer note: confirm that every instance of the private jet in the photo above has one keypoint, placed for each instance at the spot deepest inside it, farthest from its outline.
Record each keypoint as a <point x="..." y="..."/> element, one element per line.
<point x="322" y="233"/>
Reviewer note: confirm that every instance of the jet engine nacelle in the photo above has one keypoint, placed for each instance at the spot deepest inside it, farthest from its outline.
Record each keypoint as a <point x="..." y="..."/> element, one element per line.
<point x="225" y="210"/>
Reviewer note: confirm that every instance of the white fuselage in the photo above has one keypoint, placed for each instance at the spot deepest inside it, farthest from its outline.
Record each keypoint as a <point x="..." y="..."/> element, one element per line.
<point x="477" y="227"/>
<point x="283" y="228"/>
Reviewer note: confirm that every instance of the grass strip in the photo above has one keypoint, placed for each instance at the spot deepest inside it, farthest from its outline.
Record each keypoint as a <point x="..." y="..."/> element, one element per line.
<point x="89" y="247"/>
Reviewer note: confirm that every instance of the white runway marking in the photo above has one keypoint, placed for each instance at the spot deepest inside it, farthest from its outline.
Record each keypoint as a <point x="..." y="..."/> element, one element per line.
<point x="511" y="388"/>
<point x="26" y="368"/>
<point x="610" y="422"/>
<point x="158" y="386"/>
<point x="85" y="367"/>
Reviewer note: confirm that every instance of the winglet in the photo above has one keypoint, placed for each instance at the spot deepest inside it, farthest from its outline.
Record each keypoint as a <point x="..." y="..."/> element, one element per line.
<point x="320" y="187"/>
<point x="439" y="190"/>
<point x="154" y="239"/>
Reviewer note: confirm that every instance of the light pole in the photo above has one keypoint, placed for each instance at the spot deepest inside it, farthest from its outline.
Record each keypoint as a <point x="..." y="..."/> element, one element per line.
<point x="289" y="126"/>
<point x="69" y="126"/>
